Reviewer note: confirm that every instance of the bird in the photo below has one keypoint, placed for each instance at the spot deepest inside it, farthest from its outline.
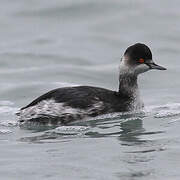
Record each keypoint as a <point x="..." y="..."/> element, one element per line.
<point x="64" y="105"/>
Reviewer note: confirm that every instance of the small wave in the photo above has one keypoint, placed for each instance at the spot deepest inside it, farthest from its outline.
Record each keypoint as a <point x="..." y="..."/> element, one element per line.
<point x="9" y="123"/>
<point x="5" y="131"/>
<point x="174" y="121"/>
<point x="60" y="133"/>
<point x="7" y="112"/>
<point x="166" y="114"/>
<point x="164" y="111"/>
<point x="6" y="103"/>
<point x="6" y="107"/>
<point x="71" y="128"/>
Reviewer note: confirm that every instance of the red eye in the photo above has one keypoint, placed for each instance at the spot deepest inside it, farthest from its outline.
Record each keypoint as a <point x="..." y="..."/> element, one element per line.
<point x="141" y="60"/>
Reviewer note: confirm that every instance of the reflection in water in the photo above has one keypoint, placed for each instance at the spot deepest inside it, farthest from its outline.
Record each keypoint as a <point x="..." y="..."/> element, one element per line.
<point x="132" y="174"/>
<point x="131" y="130"/>
<point x="45" y="138"/>
<point x="135" y="152"/>
<point x="130" y="140"/>
<point x="126" y="127"/>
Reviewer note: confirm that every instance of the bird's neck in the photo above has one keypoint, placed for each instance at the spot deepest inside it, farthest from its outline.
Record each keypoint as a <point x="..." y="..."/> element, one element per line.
<point x="128" y="84"/>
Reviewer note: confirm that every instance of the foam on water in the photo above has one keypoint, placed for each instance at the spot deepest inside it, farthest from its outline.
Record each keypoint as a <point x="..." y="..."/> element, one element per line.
<point x="71" y="130"/>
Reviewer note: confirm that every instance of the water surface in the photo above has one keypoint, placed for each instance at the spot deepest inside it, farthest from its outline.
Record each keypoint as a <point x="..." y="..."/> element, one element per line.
<point x="48" y="44"/>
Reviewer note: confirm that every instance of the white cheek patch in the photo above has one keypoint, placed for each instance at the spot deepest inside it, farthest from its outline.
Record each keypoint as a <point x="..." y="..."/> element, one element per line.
<point x="141" y="68"/>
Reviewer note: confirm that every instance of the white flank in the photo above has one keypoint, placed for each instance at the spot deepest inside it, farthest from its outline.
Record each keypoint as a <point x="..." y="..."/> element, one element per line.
<point x="51" y="108"/>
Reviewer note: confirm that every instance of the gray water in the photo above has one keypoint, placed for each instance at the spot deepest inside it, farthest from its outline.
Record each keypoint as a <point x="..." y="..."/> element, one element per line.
<point x="47" y="44"/>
